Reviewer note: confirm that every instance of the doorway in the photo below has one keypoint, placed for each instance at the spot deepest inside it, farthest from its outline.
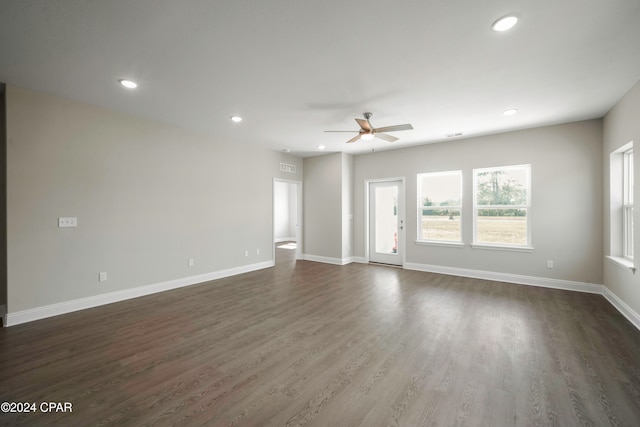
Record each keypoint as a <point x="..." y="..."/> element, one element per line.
<point x="287" y="216"/>
<point x="386" y="221"/>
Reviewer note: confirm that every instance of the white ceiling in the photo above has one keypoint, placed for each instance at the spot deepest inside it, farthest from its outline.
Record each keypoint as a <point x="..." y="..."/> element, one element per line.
<point x="294" y="68"/>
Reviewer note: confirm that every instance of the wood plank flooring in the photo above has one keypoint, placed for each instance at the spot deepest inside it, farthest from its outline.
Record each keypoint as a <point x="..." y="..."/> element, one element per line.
<point x="306" y="343"/>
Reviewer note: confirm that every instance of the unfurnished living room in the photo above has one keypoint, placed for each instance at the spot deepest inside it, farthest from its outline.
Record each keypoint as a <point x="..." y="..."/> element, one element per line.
<point x="327" y="213"/>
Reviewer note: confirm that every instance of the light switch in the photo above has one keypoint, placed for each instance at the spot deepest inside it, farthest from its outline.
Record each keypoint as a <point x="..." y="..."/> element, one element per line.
<point x="67" y="222"/>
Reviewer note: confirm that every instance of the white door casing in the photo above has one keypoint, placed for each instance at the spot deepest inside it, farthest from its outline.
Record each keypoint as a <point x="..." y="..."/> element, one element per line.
<point x="385" y="221"/>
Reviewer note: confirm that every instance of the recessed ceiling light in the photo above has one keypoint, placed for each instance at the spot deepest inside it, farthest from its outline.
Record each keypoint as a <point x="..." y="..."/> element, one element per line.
<point x="321" y="147"/>
<point x="505" y="23"/>
<point x="236" y="119"/>
<point x="510" y="112"/>
<point x="129" y="84"/>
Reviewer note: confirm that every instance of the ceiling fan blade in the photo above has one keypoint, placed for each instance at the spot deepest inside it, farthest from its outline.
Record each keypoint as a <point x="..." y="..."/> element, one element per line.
<point x="364" y="124"/>
<point x="354" y="139"/>
<point x="394" y="128"/>
<point x="385" y="137"/>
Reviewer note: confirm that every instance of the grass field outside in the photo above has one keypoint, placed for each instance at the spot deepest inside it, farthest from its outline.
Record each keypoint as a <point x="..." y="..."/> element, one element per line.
<point x="491" y="229"/>
<point x="440" y="227"/>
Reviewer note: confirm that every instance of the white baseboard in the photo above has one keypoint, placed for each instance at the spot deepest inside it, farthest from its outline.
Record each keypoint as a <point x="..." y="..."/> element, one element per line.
<point x="327" y="260"/>
<point x="18" y="317"/>
<point x="622" y="307"/>
<point x="544" y="282"/>
<point x="359" y="259"/>
<point x="284" y="239"/>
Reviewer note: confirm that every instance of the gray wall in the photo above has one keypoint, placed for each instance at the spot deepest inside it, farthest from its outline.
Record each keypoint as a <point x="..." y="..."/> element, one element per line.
<point x="147" y="196"/>
<point x="323" y="206"/>
<point x="622" y="125"/>
<point x="3" y="200"/>
<point x="347" y="205"/>
<point x="566" y="212"/>
<point x="328" y="206"/>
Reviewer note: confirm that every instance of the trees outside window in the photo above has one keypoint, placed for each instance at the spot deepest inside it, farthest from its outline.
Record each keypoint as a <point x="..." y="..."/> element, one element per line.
<point x="502" y="202"/>
<point x="439" y="206"/>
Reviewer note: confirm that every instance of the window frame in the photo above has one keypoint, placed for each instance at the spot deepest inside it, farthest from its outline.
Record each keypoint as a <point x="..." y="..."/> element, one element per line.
<point x="620" y="194"/>
<point x="527" y="246"/>
<point x="420" y="207"/>
<point x="627" y="204"/>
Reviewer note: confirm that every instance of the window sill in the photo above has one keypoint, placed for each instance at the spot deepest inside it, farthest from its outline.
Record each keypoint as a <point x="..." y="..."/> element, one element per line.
<point x="502" y="247"/>
<point x="623" y="263"/>
<point x="440" y="243"/>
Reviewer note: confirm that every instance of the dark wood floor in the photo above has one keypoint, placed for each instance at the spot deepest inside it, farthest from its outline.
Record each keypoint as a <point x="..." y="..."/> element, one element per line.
<point x="306" y="343"/>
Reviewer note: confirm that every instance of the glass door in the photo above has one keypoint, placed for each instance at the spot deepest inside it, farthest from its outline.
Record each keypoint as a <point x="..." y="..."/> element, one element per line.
<point x="386" y="222"/>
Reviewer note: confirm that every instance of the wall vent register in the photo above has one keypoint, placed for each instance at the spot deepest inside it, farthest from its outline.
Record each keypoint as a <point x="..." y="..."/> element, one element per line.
<point x="285" y="167"/>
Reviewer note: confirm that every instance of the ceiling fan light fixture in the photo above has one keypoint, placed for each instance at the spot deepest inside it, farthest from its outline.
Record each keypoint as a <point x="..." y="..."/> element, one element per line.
<point x="505" y="23"/>
<point x="367" y="136"/>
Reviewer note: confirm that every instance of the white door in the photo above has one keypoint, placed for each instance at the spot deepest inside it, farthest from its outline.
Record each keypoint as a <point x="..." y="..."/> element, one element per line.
<point x="386" y="222"/>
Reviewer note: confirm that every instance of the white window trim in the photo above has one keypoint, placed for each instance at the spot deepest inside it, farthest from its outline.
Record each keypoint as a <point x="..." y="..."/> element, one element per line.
<point x="623" y="263"/>
<point x="618" y="210"/>
<point x="432" y="242"/>
<point x="508" y="248"/>
<point x="627" y="205"/>
<point x="444" y="243"/>
<point x="528" y="247"/>
<point x="627" y="235"/>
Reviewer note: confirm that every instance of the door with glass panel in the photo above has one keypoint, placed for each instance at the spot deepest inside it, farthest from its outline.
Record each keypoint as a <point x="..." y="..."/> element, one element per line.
<point x="386" y="222"/>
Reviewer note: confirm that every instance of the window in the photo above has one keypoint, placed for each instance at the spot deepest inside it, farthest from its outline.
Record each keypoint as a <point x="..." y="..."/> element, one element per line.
<point x="621" y="177"/>
<point x="502" y="204"/>
<point x="627" y="204"/>
<point x="439" y="205"/>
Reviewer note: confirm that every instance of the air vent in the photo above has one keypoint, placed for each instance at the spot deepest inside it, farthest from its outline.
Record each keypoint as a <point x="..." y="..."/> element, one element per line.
<point x="453" y="135"/>
<point x="285" y="167"/>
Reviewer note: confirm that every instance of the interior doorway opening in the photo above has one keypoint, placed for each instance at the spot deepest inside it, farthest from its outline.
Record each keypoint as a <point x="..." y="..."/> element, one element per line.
<point x="287" y="219"/>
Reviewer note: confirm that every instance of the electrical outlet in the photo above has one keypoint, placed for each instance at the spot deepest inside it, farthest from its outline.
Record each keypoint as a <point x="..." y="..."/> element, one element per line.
<point x="257" y="251"/>
<point x="191" y="262"/>
<point x="102" y="276"/>
<point x="246" y="253"/>
<point x="550" y="263"/>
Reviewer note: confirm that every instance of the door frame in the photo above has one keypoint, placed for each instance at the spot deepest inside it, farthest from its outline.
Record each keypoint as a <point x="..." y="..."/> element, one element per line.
<point x="401" y="215"/>
<point x="298" y="185"/>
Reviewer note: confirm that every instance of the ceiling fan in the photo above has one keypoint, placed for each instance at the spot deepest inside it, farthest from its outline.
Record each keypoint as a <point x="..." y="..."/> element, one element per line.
<point x="367" y="131"/>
